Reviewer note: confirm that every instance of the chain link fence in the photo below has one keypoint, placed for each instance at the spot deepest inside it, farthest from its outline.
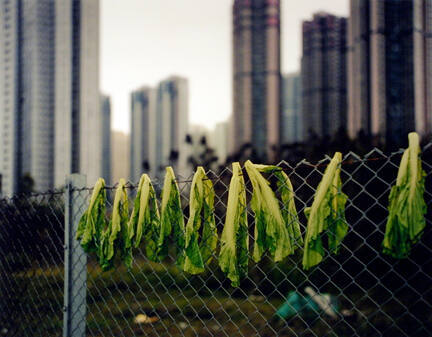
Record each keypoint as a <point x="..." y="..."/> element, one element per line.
<point x="49" y="285"/>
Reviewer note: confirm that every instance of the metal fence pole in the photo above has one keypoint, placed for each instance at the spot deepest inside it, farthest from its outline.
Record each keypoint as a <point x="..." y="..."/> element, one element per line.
<point x="75" y="264"/>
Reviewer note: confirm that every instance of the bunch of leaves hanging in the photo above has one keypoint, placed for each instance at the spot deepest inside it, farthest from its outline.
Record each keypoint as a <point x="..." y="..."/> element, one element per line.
<point x="233" y="256"/>
<point x="144" y="220"/>
<point x="327" y="215"/>
<point x="407" y="208"/>
<point x="201" y="214"/>
<point x="271" y="232"/>
<point x="116" y="236"/>
<point x="172" y="222"/>
<point x="93" y="223"/>
<point x="289" y="211"/>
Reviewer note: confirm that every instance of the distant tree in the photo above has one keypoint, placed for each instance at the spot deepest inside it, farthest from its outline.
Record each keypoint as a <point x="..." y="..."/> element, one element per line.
<point x="26" y="184"/>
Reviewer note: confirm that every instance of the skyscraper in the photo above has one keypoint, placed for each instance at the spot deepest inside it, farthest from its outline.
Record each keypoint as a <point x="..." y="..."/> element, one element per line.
<point x="120" y="155"/>
<point x="292" y="122"/>
<point x="256" y="76"/>
<point x="172" y="126"/>
<point x="390" y="68"/>
<point x="106" y="138"/>
<point x="49" y="93"/>
<point x="26" y="93"/>
<point x="323" y="71"/>
<point x="77" y="100"/>
<point x="218" y="141"/>
<point x="159" y="126"/>
<point x="143" y="124"/>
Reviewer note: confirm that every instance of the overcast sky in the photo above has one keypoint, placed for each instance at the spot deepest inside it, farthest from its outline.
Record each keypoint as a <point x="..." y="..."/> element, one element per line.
<point x="145" y="41"/>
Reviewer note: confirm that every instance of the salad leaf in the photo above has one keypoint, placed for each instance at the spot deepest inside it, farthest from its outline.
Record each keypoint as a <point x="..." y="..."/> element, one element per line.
<point x="92" y="222"/>
<point x="201" y="213"/>
<point x="172" y="222"/>
<point x="144" y="220"/>
<point x="233" y="256"/>
<point x="327" y="214"/>
<point x="407" y="207"/>
<point x="271" y="233"/>
<point x="116" y="237"/>
<point x="289" y="211"/>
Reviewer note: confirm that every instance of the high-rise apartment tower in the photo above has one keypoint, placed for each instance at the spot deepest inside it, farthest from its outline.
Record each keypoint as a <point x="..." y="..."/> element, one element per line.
<point x="390" y="68"/>
<point x="324" y="72"/>
<point x="256" y="76"/>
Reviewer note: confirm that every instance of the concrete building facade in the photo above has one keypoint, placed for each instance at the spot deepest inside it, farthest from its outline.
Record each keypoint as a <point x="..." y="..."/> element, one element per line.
<point x="78" y="139"/>
<point x="159" y="126"/>
<point x="172" y="127"/>
<point x="49" y="93"/>
<point x="292" y="121"/>
<point x="106" y="138"/>
<point x="26" y="93"/>
<point x="390" y="67"/>
<point x="256" y="75"/>
<point x="324" y="74"/>
<point x="143" y="124"/>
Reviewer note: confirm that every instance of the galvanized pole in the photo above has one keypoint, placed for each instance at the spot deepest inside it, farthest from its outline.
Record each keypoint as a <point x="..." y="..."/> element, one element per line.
<point x="75" y="264"/>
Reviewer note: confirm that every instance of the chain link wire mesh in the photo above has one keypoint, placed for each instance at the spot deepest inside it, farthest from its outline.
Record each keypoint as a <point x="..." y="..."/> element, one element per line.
<point x="375" y="294"/>
<point x="31" y="264"/>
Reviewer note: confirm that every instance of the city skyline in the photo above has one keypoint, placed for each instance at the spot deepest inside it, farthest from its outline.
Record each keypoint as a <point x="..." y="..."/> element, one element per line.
<point x="127" y="62"/>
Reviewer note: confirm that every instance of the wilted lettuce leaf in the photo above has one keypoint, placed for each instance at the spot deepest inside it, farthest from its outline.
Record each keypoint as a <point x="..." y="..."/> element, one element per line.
<point x="201" y="205"/>
<point x="92" y="222"/>
<point x="115" y="238"/>
<point x="289" y="211"/>
<point x="172" y="222"/>
<point x="407" y="208"/>
<point x="270" y="232"/>
<point x="144" y="220"/>
<point x="327" y="215"/>
<point x="233" y="256"/>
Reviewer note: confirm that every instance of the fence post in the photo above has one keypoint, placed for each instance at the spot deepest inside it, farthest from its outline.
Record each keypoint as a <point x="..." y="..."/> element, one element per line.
<point x="75" y="263"/>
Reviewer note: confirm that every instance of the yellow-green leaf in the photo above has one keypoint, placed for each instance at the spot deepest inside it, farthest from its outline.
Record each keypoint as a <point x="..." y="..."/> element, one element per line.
<point x="145" y="220"/>
<point x="271" y="233"/>
<point x="199" y="250"/>
<point x="172" y="222"/>
<point x="234" y="252"/>
<point x="407" y="208"/>
<point x="93" y="223"/>
<point x="327" y="215"/>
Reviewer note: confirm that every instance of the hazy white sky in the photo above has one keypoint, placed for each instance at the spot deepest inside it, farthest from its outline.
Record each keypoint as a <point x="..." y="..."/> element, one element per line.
<point x="145" y="41"/>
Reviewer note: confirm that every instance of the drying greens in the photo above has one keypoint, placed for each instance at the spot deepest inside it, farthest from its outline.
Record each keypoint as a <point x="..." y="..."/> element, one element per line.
<point x="92" y="222"/>
<point x="116" y="236"/>
<point x="233" y="256"/>
<point x="327" y="214"/>
<point x="271" y="232"/>
<point x="289" y="211"/>
<point x="276" y="232"/>
<point x="144" y="220"/>
<point x="201" y="213"/>
<point x="407" y="208"/>
<point x="172" y="222"/>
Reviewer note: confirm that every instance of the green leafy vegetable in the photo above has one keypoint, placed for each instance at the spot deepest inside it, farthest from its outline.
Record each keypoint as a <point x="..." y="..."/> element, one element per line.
<point x="271" y="232"/>
<point x="144" y="220"/>
<point x="326" y="214"/>
<point x="172" y="222"/>
<point x="233" y="256"/>
<point x="92" y="222"/>
<point x="116" y="237"/>
<point x="289" y="211"/>
<point x="407" y="208"/>
<point x="201" y="205"/>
